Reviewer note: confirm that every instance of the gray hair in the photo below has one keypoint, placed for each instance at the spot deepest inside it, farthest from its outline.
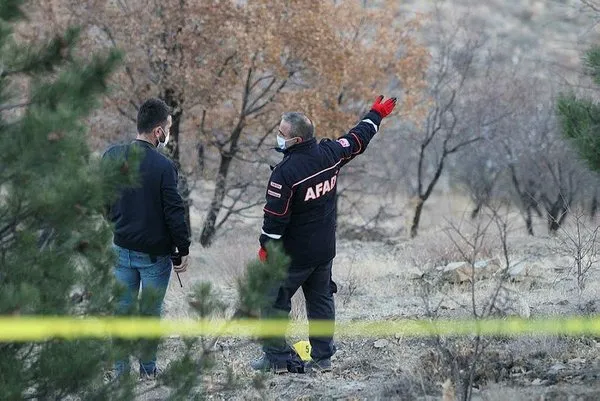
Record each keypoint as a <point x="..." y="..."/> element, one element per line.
<point x="300" y="125"/>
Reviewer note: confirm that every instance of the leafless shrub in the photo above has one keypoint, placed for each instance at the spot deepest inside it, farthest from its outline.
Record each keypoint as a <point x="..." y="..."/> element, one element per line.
<point x="458" y="358"/>
<point x="349" y="285"/>
<point x="580" y="243"/>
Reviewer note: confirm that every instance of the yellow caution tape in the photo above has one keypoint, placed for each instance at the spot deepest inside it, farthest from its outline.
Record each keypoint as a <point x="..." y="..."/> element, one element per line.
<point x="39" y="328"/>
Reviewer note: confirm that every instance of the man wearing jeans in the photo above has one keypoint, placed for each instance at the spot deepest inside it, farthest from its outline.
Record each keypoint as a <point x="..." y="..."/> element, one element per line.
<point x="300" y="212"/>
<point x="149" y="225"/>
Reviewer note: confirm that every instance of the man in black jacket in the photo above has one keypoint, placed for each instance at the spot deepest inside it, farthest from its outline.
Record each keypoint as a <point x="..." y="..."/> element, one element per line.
<point x="149" y="223"/>
<point x="301" y="212"/>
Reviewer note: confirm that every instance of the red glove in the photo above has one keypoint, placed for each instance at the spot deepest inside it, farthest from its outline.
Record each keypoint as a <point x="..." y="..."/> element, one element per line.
<point x="262" y="254"/>
<point x="385" y="108"/>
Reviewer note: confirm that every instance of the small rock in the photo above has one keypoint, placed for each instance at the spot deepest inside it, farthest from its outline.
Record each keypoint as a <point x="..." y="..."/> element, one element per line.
<point x="382" y="342"/>
<point x="554" y="369"/>
<point x="455" y="265"/>
<point x="536" y="382"/>
<point x="460" y="272"/>
<point x="576" y="361"/>
<point x="415" y="276"/>
<point x="519" y="269"/>
<point x="563" y="302"/>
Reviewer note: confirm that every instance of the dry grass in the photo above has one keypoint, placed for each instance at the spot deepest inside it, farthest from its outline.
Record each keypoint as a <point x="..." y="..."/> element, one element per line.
<point x="375" y="282"/>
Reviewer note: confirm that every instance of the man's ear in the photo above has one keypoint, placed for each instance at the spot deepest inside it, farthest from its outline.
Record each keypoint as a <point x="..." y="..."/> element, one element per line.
<point x="158" y="132"/>
<point x="156" y="135"/>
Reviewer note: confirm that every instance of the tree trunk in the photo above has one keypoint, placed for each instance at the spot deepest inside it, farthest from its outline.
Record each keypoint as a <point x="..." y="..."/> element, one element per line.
<point x="552" y="223"/>
<point x="527" y="204"/>
<point x="475" y="212"/>
<point x="556" y="216"/>
<point x="594" y="207"/>
<point x="417" y="217"/>
<point x="208" y="228"/>
<point x="200" y="157"/>
<point x="185" y="192"/>
<point x="423" y="196"/>
<point x="529" y="221"/>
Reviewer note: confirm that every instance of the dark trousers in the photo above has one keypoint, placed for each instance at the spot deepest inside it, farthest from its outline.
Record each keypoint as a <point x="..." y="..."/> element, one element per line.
<point x="318" y="289"/>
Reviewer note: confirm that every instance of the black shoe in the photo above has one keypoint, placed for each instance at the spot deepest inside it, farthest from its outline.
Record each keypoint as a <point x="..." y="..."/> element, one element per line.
<point x="265" y="365"/>
<point x="318" y="365"/>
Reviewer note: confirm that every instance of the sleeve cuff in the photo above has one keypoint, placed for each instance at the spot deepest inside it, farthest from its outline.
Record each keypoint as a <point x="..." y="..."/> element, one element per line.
<point x="373" y="116"/>
<point x="263" y="239"/>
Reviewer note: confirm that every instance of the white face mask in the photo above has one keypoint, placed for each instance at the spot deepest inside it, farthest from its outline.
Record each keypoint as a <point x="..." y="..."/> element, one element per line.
<point x="281" y="142"/>
<point x="161" y="145"/>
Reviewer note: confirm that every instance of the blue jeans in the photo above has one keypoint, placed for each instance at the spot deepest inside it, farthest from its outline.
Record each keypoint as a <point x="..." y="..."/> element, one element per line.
<point x="134" y="268"/>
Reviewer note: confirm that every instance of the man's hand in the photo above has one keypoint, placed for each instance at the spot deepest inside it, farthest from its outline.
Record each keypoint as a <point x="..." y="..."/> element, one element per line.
<point x="262" y="254"/>
<point x="385" y="108"/>
<point x="180" y="268"/>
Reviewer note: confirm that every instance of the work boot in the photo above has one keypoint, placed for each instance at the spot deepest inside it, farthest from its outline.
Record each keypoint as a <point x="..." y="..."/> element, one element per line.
<point x="264" y="364"/>
<point x="318" y="365"/>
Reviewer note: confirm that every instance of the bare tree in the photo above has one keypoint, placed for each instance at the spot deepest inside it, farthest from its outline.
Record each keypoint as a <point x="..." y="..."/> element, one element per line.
<point x="229" y="68"/>
<point x="479" y="172"/>
<point x="463" y="107"/>
<point x="546" y="175"/>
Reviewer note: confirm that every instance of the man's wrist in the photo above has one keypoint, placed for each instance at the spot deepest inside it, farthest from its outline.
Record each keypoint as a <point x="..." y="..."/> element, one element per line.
<point x="374" y="116"/>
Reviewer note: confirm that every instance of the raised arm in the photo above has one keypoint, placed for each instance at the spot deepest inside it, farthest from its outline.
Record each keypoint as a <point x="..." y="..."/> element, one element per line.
<point x="348" y="146"/>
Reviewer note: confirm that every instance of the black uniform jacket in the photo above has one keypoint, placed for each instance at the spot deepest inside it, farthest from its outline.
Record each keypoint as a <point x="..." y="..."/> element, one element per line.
<point x="301" y="194"/>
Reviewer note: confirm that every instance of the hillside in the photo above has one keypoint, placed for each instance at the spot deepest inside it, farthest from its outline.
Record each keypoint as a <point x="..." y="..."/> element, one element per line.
<point x="548" y="33"/>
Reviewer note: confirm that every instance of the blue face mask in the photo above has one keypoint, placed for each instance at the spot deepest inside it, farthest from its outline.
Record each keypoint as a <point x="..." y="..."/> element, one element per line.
<point x="281" y="142"/>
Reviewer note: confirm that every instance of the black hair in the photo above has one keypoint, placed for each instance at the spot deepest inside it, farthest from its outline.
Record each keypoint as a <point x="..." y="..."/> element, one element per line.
<point x="152" y="113"/>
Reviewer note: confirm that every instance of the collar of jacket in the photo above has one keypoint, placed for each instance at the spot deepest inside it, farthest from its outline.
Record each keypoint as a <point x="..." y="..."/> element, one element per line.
<point x="144" y="143"/>
<point x="299" y="147"/>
